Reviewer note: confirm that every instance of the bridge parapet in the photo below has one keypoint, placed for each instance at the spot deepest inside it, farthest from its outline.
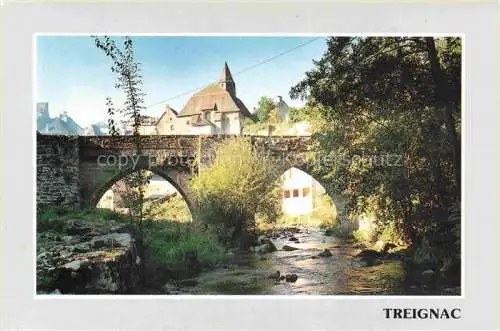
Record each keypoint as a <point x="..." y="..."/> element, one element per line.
<point x="96" y="162"/>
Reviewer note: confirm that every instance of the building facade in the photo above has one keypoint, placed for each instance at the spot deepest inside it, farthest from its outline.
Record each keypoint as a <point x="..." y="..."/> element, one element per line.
<point x="214" y="110"/>
<point x="282" y="109"/>
<point x="62" y="124"/>
<point x="299" y="191"/>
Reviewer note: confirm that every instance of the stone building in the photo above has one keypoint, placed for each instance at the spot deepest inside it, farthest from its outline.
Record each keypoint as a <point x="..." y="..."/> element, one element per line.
<point x="282" y="109"/>
<point x="63" y="124"/>
<point x="215" y="109"/>
<point x="147" y="126"/>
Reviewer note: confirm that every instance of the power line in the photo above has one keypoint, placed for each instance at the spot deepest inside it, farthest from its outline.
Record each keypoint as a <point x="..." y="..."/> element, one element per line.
<point x="237" y="73"/>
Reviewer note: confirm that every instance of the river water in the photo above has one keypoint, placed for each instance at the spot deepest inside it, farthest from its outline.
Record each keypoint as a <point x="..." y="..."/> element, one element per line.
<point x="340" y="274"/>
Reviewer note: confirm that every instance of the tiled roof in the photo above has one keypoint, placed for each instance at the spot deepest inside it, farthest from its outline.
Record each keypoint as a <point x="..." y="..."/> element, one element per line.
<point x="167" y="109"/>
<point x="211" y="96"/>
<point x="215" y="95"/>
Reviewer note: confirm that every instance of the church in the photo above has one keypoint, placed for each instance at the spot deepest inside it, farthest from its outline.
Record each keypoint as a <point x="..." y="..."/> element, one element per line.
<point x="214" y="110"/>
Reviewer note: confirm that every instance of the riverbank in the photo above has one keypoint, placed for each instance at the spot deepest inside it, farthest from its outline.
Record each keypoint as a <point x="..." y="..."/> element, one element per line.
<point x="96" y="252"/>
<point x="305" y="261"/>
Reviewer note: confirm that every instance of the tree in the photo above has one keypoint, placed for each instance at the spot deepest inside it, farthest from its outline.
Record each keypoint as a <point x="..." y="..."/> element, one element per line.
<point x="129" y="79"/>
<point x="265" y="106"/>
<point x="383" y="97"/>
<point x="240" y="183"/>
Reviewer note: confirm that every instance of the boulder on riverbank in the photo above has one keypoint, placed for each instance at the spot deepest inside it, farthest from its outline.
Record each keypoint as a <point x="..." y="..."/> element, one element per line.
<point x="81" y="257"/>
<point x="268" y="247"/>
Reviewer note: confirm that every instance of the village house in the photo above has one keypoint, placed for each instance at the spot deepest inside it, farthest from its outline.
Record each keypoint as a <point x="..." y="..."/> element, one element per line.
<point x="216" y="110"/>
<point x="213" y="110"/>
<point x="299" y="192"/>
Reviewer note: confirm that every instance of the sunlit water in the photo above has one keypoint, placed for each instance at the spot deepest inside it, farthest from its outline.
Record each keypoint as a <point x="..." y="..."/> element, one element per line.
<point x="341" y="273"/>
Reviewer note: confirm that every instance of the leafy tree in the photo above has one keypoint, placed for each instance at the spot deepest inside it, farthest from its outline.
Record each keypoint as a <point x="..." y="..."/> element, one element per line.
<point x="240" y="183"/>
<point x="129" y="79"/>
<point x="397" y="98"/>
<point x="264" y="108"/>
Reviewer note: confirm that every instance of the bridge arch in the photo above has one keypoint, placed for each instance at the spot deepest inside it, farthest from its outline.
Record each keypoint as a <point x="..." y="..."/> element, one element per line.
<point x="309" y="184"/>
<point x="174" y="176"/>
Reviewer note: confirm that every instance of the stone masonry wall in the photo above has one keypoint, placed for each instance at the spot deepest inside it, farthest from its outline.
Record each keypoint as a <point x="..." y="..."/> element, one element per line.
<point x="57" y="176"/>
<point x="70" y="170"/>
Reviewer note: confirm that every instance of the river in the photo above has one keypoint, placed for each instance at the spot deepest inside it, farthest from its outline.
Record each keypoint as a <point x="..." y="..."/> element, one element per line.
<point x="342" y="273"/>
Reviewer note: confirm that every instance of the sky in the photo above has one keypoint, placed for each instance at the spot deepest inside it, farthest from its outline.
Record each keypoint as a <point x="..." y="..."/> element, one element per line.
<point x="73" y="75"/>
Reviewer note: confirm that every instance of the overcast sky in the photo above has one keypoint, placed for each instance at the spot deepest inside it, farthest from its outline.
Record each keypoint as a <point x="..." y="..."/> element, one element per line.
<point x="73" y="75"/>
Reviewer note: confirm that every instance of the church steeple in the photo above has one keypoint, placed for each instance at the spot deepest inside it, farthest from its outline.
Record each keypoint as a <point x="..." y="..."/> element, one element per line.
<point x="226" y="80"/>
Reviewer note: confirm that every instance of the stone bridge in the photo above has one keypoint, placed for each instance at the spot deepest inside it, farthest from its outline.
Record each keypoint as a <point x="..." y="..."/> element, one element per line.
<point x="78" y="170"/>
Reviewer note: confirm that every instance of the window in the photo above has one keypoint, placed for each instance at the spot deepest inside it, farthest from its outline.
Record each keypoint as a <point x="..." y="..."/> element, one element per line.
<point x="305" y="191"/>
<point x="187" y="122"/>
<point x="170" y="119"/>
<point x="295" y="192"/>
<point x="286" y="194"/>
<point x="172" y="127"/>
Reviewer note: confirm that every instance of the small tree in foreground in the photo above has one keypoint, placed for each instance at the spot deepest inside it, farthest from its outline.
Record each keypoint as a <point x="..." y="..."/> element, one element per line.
<point x="240" y="183"/>
<point x="129" y="80"/>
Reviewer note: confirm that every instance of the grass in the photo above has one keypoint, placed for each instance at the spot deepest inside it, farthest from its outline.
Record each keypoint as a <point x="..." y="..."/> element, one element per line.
<point x="168" y="242"/>
<point x="172" y="208"/>
<point x="54" y="218"/>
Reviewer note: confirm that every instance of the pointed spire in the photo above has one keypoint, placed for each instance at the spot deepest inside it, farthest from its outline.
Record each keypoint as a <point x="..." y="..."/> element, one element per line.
<point x="226" y="80"/>
<point x="226" y="74"/>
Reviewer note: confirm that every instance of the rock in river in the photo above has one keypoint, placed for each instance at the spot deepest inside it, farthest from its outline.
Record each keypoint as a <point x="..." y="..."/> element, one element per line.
<point x="325" y="253"/>
<point x="289" y="248"/>
<point x="266" y="248"/>
<point x="369" y="254"/>
<point x="291" y="278"/>
<point x="275" y="275"/>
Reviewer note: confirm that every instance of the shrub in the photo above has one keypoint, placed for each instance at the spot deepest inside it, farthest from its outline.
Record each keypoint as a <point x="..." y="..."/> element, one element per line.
<point x="390" y="234"/>
<point x="359" y="236"/>
<point x="168" y="242"/>
<point x="240" y="183"/>
<point x="172" y="208"/>
<point x="343" y="230"/>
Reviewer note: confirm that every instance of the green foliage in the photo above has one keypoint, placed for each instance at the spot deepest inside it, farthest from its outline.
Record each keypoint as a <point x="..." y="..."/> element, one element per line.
<point x="339" y="230"/>
<point x="129" y="80"/>
<point x="390" y="234"/>
<point x="264" y="108"/>
<point x="324" y="209"/>
<point x="360" y="236"/>
<point x="172" y="208"/>
<point x="240" y="183"/>
<point x="54" y="218"/>
<point x="267" y="128"/>
<point x="387" y="112"/>
<point x="169" y="241"/>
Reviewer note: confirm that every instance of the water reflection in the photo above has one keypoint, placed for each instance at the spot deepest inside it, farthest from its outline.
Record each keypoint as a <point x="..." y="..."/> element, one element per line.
<point x="341" y="273"/>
